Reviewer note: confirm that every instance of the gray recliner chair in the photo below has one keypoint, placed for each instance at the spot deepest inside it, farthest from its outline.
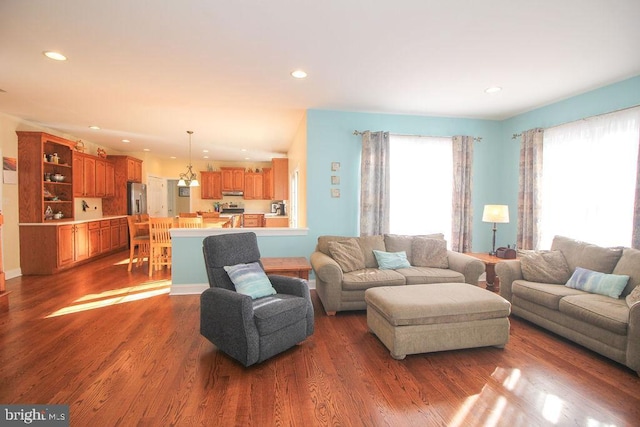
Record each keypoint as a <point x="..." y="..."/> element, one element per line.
<point x="249" y="330"/>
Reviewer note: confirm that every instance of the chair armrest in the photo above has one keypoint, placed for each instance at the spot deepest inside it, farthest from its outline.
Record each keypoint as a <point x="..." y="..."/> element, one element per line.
<point x="469" y="266"/>
<point x="226" y="319"/>
<point x="289" y="285"/>
<point x="508" y="272"/>
<point x="325" y="268"/>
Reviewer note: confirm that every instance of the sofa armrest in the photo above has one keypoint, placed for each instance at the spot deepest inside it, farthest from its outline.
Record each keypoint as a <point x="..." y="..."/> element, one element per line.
<point x="325" y="268"/>
<point x="507" y="272"/>
<point x="469" y="266"/>
<point x="633" y="338"/>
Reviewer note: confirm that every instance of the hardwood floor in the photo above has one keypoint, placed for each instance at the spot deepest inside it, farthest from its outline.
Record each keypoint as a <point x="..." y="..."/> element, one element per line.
<point x="120" y="351"/>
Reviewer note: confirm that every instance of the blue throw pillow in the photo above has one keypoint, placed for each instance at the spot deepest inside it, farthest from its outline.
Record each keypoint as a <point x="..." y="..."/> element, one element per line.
<point x="610" y="285"/>
<point x="391" y="260"/>
<point x="250" y="279"/>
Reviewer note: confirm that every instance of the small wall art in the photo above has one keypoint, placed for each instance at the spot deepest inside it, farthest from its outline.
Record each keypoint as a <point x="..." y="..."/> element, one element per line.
<point x="335" y="180"/>
<point x="184" y="191"/>
<point x="335" y="166"/>
<point x="335" y="192"/>
<point x="9" y="170"/>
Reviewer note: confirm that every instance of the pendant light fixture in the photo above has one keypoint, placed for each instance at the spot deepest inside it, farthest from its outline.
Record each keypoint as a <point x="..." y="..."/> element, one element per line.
<point x="189" y="178"/>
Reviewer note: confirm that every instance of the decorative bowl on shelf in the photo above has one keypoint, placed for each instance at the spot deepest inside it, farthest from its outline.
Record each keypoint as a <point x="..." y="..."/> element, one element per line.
<point x="57" y="177"/>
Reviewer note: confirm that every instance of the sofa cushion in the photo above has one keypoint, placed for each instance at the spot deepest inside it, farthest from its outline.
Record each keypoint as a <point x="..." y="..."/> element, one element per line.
<point x="610" y="285"/>
<point x="400" y="242"/>
<point x="323" y="242"/>
<point x="367" y="245"/>
<point x="629" y="264"/>
<point x="599" y="310"/>
<point x="347" y="254"/>
<point x="426" y="252"/>
<point x="426" y="275"/>
<point x="544" y="294"/>
<point x="586" y="255"/>
<point x="544" y="266"/>
<point x="371" y="277"/>
<point x="391" y="260"/>
<point x="633" y="297"/>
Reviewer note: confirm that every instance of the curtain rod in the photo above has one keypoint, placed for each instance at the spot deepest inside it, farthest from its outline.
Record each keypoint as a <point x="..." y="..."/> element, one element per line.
<point x="518" y="135"/>
<point x="476" y="139"/>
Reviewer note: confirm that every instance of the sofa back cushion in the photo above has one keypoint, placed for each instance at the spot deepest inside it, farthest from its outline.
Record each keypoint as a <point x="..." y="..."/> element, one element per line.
<point x="428" y="252"/>
<point x="586" y="255"/>
<point x="629" y="265"/>
<point x="544" y="267"/>
<point x="347" y="254"/>
<point x="400" y="242"/>
<point x="368" y="244"/>
<point x="323" y="242"/>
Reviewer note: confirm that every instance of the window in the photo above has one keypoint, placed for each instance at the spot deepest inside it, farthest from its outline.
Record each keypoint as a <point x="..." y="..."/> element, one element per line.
<point x="421" y="185"/>
<point x="588" y="179"/>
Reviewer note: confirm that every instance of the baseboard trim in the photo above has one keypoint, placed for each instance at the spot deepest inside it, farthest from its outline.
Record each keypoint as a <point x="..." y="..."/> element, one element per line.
<point x="12" y="274"/>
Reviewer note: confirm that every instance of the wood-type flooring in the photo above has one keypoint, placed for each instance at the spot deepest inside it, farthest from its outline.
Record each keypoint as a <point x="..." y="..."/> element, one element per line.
<point x="121" y="352"/>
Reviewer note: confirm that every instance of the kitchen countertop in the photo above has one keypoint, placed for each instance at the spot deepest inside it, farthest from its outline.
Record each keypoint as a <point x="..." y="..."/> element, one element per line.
<point x="73" y="221"/>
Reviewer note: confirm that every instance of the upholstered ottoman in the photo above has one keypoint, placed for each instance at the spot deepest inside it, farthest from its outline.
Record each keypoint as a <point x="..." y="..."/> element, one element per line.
<point x="443" y="316"/>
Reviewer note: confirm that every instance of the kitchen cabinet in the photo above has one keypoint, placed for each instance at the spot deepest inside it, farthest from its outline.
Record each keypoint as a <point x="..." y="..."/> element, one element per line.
<point x="119" y="233"/>
<point x="4" y="295"/>
<point x="267" y="183"/>
<point x="277" y="221"/>
<point x="94" y="238"/>
<point x="211" y="185"/>
<point x="100" y="178"/>
<point x="90" y="176"/>
<point x="253" y="220"/>
<point x="134" y="169"/>
<point x="126" y="169"/>
<point x="280" y="179"/>
<point x="253" y="186"/>
<point x="105" y="236"/>
<point x="41" y="156"/>
<point x="73" y="243"/>
<point x="110" y="179"/>
<point x="232" y="179"/>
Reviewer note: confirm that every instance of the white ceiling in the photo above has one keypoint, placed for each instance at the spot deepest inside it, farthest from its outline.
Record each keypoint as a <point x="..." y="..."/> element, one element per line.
<point x="150" y="70"/>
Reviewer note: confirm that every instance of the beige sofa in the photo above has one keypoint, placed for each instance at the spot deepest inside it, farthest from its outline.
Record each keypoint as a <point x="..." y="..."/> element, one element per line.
<point x="341" y="283"/>
<point x="607" y="325"/>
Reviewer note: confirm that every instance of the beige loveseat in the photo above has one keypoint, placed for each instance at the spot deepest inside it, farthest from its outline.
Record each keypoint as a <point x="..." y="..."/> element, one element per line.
<point x="341" y="283"/>
<point x="535" y="286"/>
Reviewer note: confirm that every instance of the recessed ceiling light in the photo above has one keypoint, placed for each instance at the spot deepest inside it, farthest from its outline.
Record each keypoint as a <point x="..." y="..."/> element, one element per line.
<point x="172" y="157"/>
<point x="94" y="127"/>
<point x="299" y="74"/>
<point x="205" y="157"/>
<point x="205" y="151"/>
<point x="146" y="149"/>
<point x="243" y="149"/>
<point x="247" y="158"/>
<point x="493" y="89"/>
<point x="125" y="141"/>
<point x="56" y="56"/>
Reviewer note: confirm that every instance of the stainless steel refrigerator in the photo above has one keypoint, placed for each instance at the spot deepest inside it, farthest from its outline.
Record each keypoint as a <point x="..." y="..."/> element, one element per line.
<point x="136" y="198"/>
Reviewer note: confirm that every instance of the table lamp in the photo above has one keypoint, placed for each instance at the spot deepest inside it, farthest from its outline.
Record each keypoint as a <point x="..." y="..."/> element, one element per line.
<point x="495" y="214"/>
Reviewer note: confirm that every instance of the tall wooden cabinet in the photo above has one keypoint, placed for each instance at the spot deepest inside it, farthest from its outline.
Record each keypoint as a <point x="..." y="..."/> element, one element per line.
<point x="280" y="179"/>
<point x="125" y="169"/>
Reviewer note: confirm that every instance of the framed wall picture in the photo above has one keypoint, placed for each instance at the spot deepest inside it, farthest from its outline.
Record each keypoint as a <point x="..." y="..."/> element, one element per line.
<point x="335" y="166"/>
<point x="335" y="180"/>
<point x="184" y="191"/>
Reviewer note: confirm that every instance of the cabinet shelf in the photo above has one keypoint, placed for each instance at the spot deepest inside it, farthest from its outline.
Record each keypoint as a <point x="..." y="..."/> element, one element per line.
<point x="62" y="165"/>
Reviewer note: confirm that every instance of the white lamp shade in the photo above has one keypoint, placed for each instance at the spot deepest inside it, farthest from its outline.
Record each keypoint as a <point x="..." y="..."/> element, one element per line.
<point x="182" y="183"/>
<point x="495" y="213"/>
<point x="194" y="183"/>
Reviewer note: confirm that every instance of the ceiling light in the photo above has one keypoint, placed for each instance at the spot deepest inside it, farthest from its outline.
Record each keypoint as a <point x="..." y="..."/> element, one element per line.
<point x="299" y="74"/>
<point x="205" y="157"/>
<point x="125" y="141"/>
<point x="205" y="151"/>
<point x="94" y="127"/>
<point x="188" y="179"/>
<point x="493" y="89"/>
<point x="56" y="56"/>
<point x="146" y="149"/>
<point x="172" y="157"/>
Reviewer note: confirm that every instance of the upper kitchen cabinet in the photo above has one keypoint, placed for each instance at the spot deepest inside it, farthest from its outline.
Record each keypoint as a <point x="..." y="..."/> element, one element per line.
<point x="267" y="183"/>
<point x="90" y="177"/>
<point x="45" y="177"/>
<point x="125" y="169"/>
<point x="253" y="186"/>
<point x="232" y="179"/>
<point x="211" y="185"/>
<point x="280" y="179"/>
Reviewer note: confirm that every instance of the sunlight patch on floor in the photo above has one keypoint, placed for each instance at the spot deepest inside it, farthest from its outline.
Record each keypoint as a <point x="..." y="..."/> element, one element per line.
<point x="115" y="296"/>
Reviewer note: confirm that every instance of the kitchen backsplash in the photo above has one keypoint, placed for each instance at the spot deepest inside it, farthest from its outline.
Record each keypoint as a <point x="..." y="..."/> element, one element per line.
<point x="93" y="208"/>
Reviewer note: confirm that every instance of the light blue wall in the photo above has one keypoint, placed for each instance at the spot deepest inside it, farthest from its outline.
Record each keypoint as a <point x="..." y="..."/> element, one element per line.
<point x="610" y="98"/>
<point x="330" y="139"/>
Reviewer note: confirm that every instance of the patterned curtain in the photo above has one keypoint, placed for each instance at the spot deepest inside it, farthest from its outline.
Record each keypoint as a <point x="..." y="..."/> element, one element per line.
<point x="635" y="241"/>
<point x="462" y="183"/>
<point x="374" y="196"/>
<point x="528" y="190"/>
